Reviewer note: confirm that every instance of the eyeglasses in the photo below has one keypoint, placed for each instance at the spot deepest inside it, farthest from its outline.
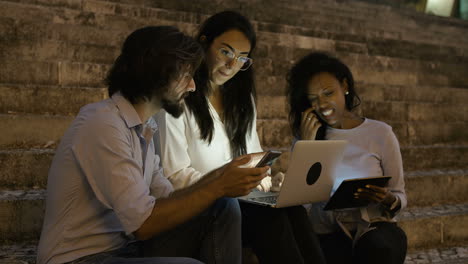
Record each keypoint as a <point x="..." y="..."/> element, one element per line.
<point x="242" y="62"/>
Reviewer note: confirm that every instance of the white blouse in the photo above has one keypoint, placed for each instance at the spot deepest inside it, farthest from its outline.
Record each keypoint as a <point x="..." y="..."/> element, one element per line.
<point x="186" y="157"/>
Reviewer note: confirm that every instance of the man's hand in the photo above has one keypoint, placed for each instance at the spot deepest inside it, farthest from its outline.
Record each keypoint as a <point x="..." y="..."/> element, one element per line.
<point x="376" y="194"/>
<point x="309" y="124"/>
<point x="234" y="181"/>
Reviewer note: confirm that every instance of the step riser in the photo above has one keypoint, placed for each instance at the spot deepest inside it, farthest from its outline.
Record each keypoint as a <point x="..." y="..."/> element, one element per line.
<point x="436" y="232"/>
<point x="35" y="131"/>
<point x="436" y="190"/>
<point x="22" y="221"/>
<point x="38" y="130"/>
<point x="29" y="170"/>
<point x="48" y="50"/>
<point x="335" y="23"/>
<point x="41" y="100"/>
<point x="24" y="170"/>
<point x="412" y="93"/>
<point x="276" y="107"/>
<point x="276" y="133"/>
<point x="92" y="75"/>
<point x="376" y="100"/>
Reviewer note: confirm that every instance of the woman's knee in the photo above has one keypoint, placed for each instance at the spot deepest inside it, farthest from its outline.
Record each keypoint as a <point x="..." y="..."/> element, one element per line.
<point x="386" y="240"/>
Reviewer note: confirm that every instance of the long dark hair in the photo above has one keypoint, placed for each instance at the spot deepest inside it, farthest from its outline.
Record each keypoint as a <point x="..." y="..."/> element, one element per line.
<point x="298" y="79"/>
<point x="151" y="58"/>
<point x="236" y="93"/>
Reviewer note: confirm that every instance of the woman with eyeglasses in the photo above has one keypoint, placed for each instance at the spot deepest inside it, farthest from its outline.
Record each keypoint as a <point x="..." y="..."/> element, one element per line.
<point x="219" y="124"/>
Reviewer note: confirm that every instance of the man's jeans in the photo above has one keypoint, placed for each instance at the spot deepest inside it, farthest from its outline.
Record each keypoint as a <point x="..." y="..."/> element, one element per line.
<point x="214" y="236"/>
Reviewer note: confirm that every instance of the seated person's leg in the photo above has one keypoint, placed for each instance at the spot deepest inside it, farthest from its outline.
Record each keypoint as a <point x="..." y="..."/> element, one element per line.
<point x="130" y="254"/>
<point x="336" y="247"/>
<point x="214" y="236"/>
<point x="268" y="231"/>
<point x="386" y="244"/>
<point x="306" y="238"/>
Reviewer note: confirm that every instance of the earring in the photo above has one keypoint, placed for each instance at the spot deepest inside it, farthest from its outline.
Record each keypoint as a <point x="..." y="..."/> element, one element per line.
<point x="346" y="93"/>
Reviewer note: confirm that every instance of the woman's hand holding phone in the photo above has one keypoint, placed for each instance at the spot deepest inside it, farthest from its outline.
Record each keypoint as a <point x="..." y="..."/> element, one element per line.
<point x="309" y="124"/>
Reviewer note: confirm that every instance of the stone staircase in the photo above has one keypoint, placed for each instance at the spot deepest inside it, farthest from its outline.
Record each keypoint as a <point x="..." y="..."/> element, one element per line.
<point x="411" y="72"/>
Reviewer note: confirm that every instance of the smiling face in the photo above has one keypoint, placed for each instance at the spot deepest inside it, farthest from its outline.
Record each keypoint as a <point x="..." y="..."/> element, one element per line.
<point x="221" y="68"/>
<point x="327" y="95"/>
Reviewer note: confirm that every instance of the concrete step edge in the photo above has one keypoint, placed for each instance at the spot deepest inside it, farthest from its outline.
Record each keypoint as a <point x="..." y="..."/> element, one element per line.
<point x="414" y="213"/>
<point x="19" y="195"/>
<point x="435" y="173"/>
<point x="442" y="255"/>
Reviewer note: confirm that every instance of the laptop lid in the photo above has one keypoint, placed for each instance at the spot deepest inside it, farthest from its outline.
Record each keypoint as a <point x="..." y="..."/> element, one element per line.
<point x="311" y="172"/>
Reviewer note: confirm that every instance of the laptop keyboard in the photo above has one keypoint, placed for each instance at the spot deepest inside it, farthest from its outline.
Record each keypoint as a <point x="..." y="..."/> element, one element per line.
<point x="265" y="199"/>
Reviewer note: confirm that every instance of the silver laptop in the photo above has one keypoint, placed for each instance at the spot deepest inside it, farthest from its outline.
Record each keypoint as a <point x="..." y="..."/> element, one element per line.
<point x="310" y="176"/>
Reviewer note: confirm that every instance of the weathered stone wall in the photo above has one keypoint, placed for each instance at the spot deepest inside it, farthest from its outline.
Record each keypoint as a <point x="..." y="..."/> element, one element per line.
<point x="411" y="72"/>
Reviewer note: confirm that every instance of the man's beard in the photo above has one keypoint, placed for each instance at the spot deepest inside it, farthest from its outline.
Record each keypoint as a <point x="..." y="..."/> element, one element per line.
<point x="175" y="109"/>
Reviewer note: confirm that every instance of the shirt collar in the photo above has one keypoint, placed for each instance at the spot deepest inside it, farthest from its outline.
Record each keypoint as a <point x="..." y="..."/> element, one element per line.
<point x="129" y="114"/>
<point x="127" y="110"/>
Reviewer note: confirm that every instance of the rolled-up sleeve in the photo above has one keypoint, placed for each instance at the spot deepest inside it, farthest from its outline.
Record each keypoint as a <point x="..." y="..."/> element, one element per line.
<point x="105" y="152"/>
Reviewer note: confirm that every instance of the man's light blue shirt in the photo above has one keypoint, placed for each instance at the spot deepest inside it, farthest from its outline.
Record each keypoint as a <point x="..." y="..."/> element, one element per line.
<point x="102" y="184"/>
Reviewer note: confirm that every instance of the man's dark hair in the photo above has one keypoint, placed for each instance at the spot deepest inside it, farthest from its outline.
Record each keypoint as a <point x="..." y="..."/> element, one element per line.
<point x="237" y="92"/>
<point x="151" y="58"/>
<point x="298" y="80"/>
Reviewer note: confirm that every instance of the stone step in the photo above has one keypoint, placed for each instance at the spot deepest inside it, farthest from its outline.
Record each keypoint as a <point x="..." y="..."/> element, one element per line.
<point x="412" y="127"/>
<point x="296" y="47"/>
<point x="375" y="44"/>
<point x="270" y="75"/>
<point x="330" y="15"/>
<point x="24" y="169"/>
<point x="437" y="226"/>
<point x="19" y="253"/>
<point x="58" y="73"/>
<point x="32" y="130"/>
<point x="276" y="133"/>
<point x="417" y="160"/>
<point x="436" y="187"/>
<point x="412" y="93"/>
<point x="41" y="99"/>
<point x="276" y="107"/>
<point x="312" y="14"/>
<point x="22" y="213"/>
<point x="58" y="50"/>
<point x="71" y="23"/>
<point x="370" y="69"/>
<point x="28" y="169"/>
<point x="49" y="99"/>
<point x="25" y="253"/>
<point x="84" y="25"/>
<point x="437" y="157"/>
<point x="442" y="255"/>
<point x="29" y="130"/>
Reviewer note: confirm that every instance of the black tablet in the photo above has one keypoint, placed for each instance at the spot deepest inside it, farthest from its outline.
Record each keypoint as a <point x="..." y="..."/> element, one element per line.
<point x="344" y="195"/>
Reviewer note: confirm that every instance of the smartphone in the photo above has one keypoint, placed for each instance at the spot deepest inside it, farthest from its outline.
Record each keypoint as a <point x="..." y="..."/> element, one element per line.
<point x="321" y="132"/>
<point x="268" y="159"/>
